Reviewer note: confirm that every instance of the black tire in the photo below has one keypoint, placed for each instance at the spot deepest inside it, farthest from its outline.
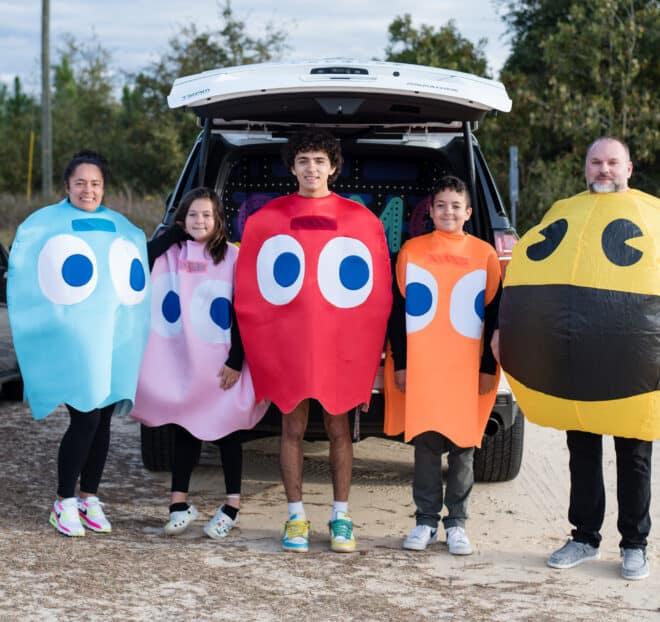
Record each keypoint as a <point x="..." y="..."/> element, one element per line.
<point x="500" y="455"/>
<point x="13" y="390"/>
<point x="157" y="447"/>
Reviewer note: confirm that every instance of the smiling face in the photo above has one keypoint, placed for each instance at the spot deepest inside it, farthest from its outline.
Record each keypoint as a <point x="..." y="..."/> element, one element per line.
<point x="449" y="211"/>
<point x="607" y="167"/>
<point x="580" y="315"/>
<point x="85" y="187"/>
<point x="312" y="169"/>
<point x="200" y="221"/>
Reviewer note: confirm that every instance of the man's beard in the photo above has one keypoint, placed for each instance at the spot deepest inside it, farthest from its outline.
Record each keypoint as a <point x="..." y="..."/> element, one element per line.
<point x="602" y="188"/>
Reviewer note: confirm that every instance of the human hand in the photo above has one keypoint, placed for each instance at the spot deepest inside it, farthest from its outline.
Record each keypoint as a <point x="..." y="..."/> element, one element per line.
<point x="495" y="345"/>
<point x="400" y="379"/>
<point x="486" y="383"/>
<point x="228" y="377"/>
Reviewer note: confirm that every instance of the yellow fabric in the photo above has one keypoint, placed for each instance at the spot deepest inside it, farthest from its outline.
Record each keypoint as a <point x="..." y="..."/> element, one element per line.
<point x="579" y="260"/>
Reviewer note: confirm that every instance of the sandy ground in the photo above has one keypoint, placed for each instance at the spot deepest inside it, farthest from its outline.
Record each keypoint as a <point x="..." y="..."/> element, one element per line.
<point x="137" y="573"/>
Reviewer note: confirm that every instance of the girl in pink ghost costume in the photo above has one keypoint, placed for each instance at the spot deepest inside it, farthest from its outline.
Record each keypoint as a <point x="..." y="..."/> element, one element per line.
<point x="192" y="373"/>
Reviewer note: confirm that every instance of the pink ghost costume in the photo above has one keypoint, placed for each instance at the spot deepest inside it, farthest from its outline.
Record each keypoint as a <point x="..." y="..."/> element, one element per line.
<point x="188" y="345"/>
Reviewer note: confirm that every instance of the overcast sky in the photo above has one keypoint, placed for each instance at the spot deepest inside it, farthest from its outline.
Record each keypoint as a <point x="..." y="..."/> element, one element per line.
<point x="136" y="32"/>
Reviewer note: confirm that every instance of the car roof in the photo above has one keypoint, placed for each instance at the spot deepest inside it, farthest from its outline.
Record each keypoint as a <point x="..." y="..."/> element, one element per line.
<point x="339" y="93"/>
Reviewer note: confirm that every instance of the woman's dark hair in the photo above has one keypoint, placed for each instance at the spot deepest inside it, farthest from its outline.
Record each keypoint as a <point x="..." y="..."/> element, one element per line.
<point x="216" y="245"/>
<point x="87" y="157"/>
<point x="450" y="182"/>
<point x="314" y="140"/>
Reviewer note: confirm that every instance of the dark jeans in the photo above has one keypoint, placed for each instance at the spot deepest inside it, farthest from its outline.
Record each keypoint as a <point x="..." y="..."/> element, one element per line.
<point x="83" y="450"/>
<point x="427" y="481"/>
<point x="186" y="454"/>
<point x="587" y="505"/>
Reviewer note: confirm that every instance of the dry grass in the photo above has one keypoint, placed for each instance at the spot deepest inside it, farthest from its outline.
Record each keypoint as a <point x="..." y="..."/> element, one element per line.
<point x="144" y="212"/>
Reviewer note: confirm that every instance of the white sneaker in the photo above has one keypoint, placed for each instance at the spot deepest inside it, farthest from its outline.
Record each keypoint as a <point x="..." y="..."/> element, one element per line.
<point x="420" y="537"/>
<point x="64" y="517"/>
<point x="180" y="521"/>
<point x="90" y="510"/>
<point x="457" y="541"/>
<point x="220" y="525"/>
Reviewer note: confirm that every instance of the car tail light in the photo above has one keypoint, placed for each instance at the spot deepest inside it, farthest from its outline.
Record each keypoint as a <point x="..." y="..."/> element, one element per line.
<point x="504" y="242"/>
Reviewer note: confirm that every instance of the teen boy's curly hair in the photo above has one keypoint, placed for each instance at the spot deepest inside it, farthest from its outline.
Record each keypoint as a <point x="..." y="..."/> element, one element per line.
<point x="450" y="182"/>
<point x="314" y="140"/>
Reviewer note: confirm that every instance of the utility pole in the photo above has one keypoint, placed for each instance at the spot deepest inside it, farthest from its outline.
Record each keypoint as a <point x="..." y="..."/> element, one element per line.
<point x="46" y="125"/>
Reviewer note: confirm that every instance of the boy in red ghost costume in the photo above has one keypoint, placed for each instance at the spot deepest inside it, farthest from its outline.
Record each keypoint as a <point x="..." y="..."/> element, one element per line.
<point x="312" y="299"/>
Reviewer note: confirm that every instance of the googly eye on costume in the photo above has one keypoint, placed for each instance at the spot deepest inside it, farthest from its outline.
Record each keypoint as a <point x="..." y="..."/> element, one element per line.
<point x="467" y="304"/>
<point x="280" y="269"/>
<point x="421" y="298"/>
<point x="345" y="272"/>
<point x="166" y="305"/>
<point x="127" y="272"/>
<point x="210" y="311"/>
<point x="67" y="269"/>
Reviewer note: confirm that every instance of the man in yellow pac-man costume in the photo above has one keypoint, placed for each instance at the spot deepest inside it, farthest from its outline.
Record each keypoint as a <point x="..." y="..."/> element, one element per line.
<point x="580" y="343"/>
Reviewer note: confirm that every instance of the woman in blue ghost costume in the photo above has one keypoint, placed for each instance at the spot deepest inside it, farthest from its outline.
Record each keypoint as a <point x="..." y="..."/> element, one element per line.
<point x="77" y="296"/>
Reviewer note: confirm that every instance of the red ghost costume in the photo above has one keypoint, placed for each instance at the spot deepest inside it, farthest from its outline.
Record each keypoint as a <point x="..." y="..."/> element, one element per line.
<point x="447" y="280"/>
<point x="313" y="293"/>
<point x="188" y="344"/>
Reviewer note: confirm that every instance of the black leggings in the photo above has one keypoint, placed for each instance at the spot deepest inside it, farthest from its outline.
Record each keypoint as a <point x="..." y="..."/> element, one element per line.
<point x="83" y="450"/>
<point x="186" y="455"/>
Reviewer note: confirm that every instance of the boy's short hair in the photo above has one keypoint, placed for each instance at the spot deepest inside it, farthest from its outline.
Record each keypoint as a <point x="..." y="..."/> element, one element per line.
<point x="451" y="182"/>
<point x="314" y="140"/>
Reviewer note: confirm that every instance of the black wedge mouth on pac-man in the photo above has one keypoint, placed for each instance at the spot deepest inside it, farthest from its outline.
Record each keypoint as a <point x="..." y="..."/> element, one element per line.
<point x="581" y="343"/>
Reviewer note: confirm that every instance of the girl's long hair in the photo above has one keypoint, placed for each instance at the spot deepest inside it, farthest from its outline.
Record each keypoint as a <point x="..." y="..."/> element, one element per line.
<point x="216" y="245"/>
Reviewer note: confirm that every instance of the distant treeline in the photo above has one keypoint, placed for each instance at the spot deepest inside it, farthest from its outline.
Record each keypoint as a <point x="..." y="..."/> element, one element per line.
<point x="577" y="69"/>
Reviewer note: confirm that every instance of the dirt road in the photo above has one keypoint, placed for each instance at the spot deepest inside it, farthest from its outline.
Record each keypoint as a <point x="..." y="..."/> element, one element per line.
<point x="137" y="573"/>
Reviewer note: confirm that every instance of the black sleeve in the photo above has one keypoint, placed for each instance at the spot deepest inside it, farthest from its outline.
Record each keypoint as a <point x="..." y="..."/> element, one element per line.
<point x="396" y="328"/>
<point x="159" y="245"/>
<point x="491" y="323"/>
<point x="236" y="352"/>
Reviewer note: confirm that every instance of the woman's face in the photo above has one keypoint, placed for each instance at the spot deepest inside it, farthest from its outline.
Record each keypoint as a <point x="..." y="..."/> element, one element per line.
<point x="200" y="221"/>
<point x="85" y="187"/>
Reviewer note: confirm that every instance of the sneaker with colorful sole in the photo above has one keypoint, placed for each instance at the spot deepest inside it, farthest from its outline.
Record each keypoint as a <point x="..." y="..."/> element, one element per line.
<point x="65" y="518"/>
<point x="295" y="537"/>
<point x="92" y="516"/>
<point x="342" y="539"/>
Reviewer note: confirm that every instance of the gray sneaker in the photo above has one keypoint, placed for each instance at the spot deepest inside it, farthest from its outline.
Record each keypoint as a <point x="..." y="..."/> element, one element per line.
<point x="572" y="554"/>
<point x="634" y="565"/>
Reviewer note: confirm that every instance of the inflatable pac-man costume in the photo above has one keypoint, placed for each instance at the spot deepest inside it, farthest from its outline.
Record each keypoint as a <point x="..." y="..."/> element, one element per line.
<point x="188" y="345"/>
<point x="77" y="296"/>
<point x="580" y="316"/>
<point x="313" y="294"/>
<point x="447" y="279"/>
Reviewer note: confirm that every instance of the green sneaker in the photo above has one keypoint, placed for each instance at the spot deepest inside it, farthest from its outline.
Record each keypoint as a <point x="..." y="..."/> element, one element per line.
<point x="296" y="535"/>
<point x="342" y="539"/>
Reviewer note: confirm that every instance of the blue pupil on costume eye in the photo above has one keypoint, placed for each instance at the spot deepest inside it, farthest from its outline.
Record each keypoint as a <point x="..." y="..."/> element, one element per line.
<point x="137" y="277"/>
<point x="286" y="269"/>
<point x="480" y="305"/>
<point x="171" y="307"/>
<point x="77" y="270"/>
<point x="220" y="311"/>
<point x="353" y="272"/>
<point x="418" y="299"/>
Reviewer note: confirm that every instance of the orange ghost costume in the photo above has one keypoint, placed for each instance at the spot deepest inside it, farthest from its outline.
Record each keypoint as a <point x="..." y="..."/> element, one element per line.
<point x="447" y="281"/>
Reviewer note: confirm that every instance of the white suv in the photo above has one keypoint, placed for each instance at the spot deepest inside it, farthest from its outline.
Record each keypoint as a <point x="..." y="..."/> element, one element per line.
<point x="401" y="127"/>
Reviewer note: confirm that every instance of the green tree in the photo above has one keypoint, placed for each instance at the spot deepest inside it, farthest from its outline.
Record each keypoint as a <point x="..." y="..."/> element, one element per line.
<point x="577" y="70"/>
<point x="193" y="51"/>
<point x="18" y="117"/>
<point x="442" y="47"/>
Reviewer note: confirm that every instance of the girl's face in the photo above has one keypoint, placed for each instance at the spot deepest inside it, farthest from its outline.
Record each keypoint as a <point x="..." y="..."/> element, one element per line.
<point x="200" y="221"/>
<point x="85" y="187"/>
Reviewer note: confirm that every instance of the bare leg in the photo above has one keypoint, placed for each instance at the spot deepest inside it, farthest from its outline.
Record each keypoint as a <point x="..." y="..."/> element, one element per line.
<point x="341" y="454"/>
<point x="294" y="425"/>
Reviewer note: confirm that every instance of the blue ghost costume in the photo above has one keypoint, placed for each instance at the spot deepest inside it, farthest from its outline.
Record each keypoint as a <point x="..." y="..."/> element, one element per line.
<point x="78" y="302"/>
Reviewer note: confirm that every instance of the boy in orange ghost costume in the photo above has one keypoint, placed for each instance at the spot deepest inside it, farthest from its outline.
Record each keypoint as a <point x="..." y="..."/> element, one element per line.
<point x="440" y="337"/>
